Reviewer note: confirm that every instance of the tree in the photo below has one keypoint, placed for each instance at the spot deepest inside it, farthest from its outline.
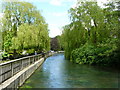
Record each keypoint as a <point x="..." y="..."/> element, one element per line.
<point x="24" y="28"/>
<point x="93" y="34"/>
<point x="87" y="23"/>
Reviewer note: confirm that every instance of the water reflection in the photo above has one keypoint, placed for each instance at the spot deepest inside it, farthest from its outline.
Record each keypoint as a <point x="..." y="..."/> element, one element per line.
<point x="56" y="72"/>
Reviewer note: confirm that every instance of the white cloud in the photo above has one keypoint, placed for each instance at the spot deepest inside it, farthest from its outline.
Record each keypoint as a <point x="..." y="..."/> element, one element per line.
<point x="54" y="30"/>
<point x="60" y="2"/>
<point x="56" y="2"/>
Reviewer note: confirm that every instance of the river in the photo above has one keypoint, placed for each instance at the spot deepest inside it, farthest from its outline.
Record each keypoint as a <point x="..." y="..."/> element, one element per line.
<point x="56" y="72"/>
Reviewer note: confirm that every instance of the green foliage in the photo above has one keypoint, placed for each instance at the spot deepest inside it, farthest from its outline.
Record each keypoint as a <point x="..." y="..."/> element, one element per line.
<point x="24" y="28"/>
<point x="55" y="43"/>
<point x="30" y="36"/>
<point x="92" y="37"/>
<point x="30" y="51"/>
<point x="5" y="54"/>
<point x="89" y="54"/>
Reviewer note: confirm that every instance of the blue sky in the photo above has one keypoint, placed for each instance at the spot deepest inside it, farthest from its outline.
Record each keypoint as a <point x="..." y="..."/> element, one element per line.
<point x="55" y="14"/>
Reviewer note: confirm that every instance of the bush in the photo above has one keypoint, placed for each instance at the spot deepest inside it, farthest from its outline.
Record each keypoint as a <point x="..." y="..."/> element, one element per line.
<point x="89" y="54"/>
<point x="30" y="51"/>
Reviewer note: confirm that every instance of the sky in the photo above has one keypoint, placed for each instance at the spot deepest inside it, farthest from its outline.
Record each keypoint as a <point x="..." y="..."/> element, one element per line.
<point x="55" y="13"/>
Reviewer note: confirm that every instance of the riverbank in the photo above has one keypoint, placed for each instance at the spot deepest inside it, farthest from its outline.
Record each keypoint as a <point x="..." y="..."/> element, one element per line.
<point x="14" y="73"/>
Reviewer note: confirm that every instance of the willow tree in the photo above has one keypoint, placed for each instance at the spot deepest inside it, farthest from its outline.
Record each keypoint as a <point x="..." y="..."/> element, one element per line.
<point x="92" y="18"/>
<point x="92" y="34"/>
<point x="23" y="27"/>
<point x="87" y="25"/>
<point x="73" y="37"/>
<point x="31" y="37"/>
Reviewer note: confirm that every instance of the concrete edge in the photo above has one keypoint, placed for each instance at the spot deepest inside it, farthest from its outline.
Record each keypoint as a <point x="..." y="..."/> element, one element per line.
<point x="12" y="79"/>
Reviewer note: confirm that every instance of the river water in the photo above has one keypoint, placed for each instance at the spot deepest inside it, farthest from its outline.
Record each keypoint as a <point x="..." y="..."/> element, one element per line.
<point x="56" y="72"/>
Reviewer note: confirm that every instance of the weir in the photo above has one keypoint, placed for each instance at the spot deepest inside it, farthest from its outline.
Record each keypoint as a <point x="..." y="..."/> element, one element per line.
<point x="14" y="73"/>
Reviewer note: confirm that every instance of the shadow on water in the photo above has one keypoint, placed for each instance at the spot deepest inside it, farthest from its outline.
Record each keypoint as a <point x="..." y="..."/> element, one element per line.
<point x="56" y="72"/>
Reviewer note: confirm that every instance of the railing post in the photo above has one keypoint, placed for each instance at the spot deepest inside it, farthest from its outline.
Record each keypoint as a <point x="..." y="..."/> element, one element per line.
<point x="33" y="59"/>
<point x="11" y="69"/>
<point x="29" y="60"/>
<point x="21" y="64"/>
<point x="0" y="74"/>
